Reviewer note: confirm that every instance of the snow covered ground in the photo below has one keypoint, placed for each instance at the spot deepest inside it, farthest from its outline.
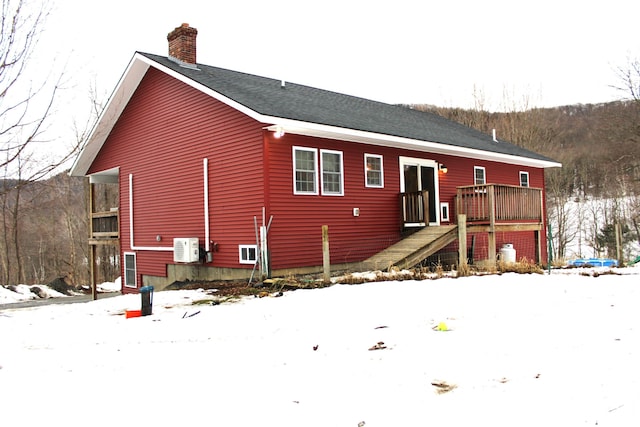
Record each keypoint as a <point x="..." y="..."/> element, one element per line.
<point x="499" y="350"/>
<point x="20" y="293"/>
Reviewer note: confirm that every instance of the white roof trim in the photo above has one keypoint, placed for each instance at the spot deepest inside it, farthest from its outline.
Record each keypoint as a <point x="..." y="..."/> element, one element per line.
<point x="139" y="65"/>
<point x="119" y="99"/>
<point x="343" y="134"/>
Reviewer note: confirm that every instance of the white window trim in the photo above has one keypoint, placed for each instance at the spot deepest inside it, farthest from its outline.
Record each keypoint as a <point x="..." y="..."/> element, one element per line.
<point x="484" y="174"/>
<point x="520" y="178"/>
<point x="339" y="153"/>
<point x="247" y="261"/>
<point x="444" y="212"/>
<point x="366" y="181"/>
<point x="135" y="271"/>
<point x="315" y="164"/>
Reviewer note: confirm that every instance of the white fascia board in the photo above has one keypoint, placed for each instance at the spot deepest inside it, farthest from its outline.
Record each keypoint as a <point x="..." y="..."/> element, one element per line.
<point x="351" y="135"/>
<point x="109" y="176"/>
<point x="117" y="102"/>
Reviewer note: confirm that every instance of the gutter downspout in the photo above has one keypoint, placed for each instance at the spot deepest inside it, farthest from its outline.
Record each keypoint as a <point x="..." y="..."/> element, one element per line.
<point x="205" y="166"/>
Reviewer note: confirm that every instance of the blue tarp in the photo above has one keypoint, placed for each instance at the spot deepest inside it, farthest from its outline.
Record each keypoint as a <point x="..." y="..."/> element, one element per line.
<point x="593" y="262"/>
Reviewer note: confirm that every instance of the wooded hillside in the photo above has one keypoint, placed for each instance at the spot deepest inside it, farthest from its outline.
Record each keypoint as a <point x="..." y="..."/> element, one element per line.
<point x="44" y="223"/>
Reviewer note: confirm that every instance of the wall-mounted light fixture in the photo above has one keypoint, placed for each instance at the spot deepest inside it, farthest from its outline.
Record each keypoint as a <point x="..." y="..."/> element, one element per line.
<point x="443" y="168"/>
<point x="279" y="133"/>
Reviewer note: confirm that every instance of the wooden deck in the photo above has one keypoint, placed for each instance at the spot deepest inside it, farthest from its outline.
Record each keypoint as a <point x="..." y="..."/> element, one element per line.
<point x="414" y="248"/>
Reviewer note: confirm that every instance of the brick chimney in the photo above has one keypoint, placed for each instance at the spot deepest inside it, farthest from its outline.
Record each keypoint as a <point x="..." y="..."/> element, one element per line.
<point x="182" y="44"/>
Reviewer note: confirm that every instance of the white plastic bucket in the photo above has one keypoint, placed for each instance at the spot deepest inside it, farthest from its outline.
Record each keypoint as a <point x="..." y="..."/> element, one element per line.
<point x="507" y="253"/>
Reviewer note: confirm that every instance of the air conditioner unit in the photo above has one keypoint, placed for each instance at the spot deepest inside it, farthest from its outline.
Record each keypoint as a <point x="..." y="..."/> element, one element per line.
<point x="186" y="249"/>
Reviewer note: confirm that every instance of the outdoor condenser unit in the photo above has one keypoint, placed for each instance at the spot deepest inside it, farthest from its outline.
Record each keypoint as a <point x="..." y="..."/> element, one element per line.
<point x="186" y="249"/>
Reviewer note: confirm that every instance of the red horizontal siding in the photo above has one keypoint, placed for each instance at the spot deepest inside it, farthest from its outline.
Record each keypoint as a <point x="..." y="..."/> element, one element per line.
<point x="296" y="232"/>
<point x="295" y="237"/>
<point x="168" y="128"/>
<point x="161" y="138"/>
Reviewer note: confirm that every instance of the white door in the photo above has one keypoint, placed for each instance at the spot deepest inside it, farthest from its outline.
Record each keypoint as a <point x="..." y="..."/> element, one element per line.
<point x="421" y="175"/>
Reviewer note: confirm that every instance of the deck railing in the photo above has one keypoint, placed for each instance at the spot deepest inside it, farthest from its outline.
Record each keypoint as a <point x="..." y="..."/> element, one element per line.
<point x="413" y="206"/>
<point x="104" y="225"/>
<point x="493" y="203"/>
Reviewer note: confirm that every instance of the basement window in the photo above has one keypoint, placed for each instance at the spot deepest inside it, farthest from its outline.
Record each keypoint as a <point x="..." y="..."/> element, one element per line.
<point x="373" y="171"/>
<point x="248" y="254"/>
<point x="130" y="270"/>
<point x="524" y="179"/>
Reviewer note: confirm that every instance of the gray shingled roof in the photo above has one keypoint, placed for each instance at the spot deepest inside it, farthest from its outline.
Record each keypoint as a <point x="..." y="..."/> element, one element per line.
<point x="266" y="96"/>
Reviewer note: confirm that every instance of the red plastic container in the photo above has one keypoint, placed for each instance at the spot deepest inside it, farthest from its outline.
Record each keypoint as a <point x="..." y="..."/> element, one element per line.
<point x="133" y="313"/>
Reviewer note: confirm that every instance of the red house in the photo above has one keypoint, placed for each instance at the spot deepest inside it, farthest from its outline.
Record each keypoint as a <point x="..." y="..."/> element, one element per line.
<point x="220" y="172"/>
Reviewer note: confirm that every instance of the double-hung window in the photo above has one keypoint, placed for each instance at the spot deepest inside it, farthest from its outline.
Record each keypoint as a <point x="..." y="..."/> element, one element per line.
<point x="373" y="171"/>
<point x="524" y="179"/>
<point x="305" y="172"/>
<point x="307" y="179"/>
<point x="479" y="175"/>
<point x="331" y="165"/>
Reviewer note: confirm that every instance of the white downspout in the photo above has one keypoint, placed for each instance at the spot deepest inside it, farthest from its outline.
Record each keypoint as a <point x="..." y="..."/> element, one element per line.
<point x="131" y="239"/>
<point x="205" y="166"/>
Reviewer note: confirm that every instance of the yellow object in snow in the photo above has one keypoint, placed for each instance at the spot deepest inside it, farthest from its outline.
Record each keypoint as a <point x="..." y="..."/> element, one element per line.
<point x="442" y="326"/>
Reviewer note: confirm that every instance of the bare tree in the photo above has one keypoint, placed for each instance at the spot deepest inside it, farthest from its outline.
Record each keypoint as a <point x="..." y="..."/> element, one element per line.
<point x="28" y="95"/>
<point x="561" y="215"/>
<point x="27" y="98"/>
<point x="629" y="78"/>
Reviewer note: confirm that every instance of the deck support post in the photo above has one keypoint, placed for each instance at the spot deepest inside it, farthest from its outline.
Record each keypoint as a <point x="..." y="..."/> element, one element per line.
<point x="538" y="243"/>
<point x="92" y="247"/>
<point x="93" y="271"/>
<point x="326" y="258"/>
<point x="462" y="240"/>
<point x="492" y="224"/>
<point x="492" y="246"/>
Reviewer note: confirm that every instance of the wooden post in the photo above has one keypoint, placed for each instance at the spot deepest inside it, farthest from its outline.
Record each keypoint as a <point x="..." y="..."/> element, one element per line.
<point x="492" y="206"/>
<point x="326" y="259"/>
<point x="462" y="240"/>
<point x="492" y="224"/>
<point x="538" y="243"/>
<point x="92" y="248"/>
<point x="618" y="230"/>
<point x="403" y="211"/>
<point x="93" y="271"/>
<point x="425" y="208"/>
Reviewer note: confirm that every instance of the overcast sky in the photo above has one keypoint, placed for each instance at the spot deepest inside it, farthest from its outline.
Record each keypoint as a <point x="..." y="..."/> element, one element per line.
<point x="434" y="52"/>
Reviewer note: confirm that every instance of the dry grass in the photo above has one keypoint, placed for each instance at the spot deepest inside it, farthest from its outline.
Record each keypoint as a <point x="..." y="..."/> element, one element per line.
<point x="560" y="262"/>
<point x="464" y="270"/>
<point x="524" y="266"/>
<point x="437" y="271"/>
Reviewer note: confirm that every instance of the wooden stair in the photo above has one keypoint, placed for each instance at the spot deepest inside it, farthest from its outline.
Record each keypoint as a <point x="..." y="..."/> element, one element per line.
<point x="414" y="248"/>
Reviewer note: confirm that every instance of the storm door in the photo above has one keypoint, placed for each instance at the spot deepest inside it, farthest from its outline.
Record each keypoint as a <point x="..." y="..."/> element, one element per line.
<point x="419" y="180"/>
